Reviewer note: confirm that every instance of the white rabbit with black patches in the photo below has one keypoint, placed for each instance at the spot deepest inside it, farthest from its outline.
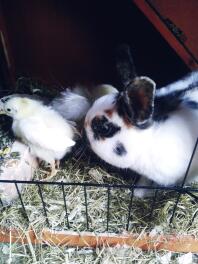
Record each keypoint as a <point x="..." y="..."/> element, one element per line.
<point x="152" y="135"/>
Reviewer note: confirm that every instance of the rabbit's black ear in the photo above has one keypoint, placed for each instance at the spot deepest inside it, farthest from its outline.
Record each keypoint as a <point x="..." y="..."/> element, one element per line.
<point x="137" y="102"/>
<point x="125" y="65"/>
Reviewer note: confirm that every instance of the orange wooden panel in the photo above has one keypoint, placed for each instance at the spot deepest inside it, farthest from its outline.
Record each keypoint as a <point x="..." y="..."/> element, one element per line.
<point x="177" y="22"/>
<point x="145" y="242"/>
<point x="184" y="15"/>
<point x="187" y="243"/>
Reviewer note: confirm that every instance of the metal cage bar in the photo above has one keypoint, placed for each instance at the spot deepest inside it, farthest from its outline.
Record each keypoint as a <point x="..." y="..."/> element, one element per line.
<point x="65" y="206"/>
<point x="21" y="200"/>
<point x="153" y="204"/>
<point x="180" y="189"/>
<point x="86" y="207"/>
<point x="43" y="204"/>
<point x="129" y="209"/>
<point x="183" y="182"/>
<point x="108" y="207"/>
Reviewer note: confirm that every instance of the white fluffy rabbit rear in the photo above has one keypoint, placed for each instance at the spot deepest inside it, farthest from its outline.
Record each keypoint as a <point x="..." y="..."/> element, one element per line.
<point x="152" y="133"/>
<point x="74" y="104"/>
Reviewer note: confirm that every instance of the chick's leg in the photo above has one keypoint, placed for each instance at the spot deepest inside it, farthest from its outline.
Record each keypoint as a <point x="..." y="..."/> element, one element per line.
<point x="53" y="171"/>
<point x="57" y="164"/>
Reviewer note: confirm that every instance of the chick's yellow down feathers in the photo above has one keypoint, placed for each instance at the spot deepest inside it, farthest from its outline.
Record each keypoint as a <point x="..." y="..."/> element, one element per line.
<point x="48" y="135"/>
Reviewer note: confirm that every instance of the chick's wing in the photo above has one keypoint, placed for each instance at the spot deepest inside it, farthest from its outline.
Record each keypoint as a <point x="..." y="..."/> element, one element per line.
<point x="39" y="133"/>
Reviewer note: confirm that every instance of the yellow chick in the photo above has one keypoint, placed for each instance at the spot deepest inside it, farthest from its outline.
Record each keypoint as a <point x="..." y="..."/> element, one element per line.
<point x="48" y="135"/>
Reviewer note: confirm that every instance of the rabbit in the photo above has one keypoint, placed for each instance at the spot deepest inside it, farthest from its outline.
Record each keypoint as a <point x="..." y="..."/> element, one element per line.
<point x="74" y="104"/>
<point x="71" y="105"/>
<point x="148" y="131"/>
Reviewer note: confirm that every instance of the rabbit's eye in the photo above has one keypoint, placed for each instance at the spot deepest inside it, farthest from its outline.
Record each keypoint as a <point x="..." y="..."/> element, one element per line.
<point x="102" y="128"/>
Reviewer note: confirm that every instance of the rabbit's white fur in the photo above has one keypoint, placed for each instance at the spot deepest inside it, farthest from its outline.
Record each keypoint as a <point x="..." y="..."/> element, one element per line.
<point x="74" y="104"/>
<point x="160" y="152"/>
<point x="179" y="85"/>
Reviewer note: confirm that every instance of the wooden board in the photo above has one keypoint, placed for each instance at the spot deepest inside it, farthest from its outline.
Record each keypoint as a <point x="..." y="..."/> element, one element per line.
<point x="177" y="22"/>
<point x="172" y="243"/>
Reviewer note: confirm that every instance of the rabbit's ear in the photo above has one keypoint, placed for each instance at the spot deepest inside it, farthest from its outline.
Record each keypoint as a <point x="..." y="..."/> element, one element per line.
<point x="137" y="102"/>
<point x="125" y="65"/>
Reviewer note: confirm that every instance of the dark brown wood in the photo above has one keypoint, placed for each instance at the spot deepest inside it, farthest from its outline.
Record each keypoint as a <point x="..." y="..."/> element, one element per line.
<point x="54" y="43"/>
<point x="70" y="42"/>
<point x="7" y="67"/>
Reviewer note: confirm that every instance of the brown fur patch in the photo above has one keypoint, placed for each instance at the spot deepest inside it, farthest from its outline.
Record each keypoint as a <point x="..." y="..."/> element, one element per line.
<point x="127" y="122"/>
<point x="144" y="100"/>
<point x="109" y="112"/>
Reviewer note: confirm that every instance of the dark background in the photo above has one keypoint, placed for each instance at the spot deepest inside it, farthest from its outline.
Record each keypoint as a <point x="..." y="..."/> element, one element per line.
<point x="66" y="42"/>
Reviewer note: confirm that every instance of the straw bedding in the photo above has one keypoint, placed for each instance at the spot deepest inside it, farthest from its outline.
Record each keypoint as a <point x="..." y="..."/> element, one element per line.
<point x="81" y="170"/>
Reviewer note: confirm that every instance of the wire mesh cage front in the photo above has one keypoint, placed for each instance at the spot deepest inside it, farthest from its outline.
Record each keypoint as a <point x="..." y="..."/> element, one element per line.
<point x="100" y="207"/>
<point x="88" y="198"/>
<point x="100" y="202"/>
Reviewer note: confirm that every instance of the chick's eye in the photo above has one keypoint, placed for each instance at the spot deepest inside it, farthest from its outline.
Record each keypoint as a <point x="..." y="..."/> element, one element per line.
<point x="102" y="128"/>
<point x="8" y="109"/>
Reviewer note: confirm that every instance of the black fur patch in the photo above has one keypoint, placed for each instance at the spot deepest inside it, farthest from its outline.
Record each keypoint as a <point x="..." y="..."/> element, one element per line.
<point x="165" y="104"/>
<point x="125" y="65"/>
<point x="102" y="128"/>
<point x="120" y="149"/>
<point x="123" y="108"/>
<point x="4" y="100"/>
<point x="191" y="104"/>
